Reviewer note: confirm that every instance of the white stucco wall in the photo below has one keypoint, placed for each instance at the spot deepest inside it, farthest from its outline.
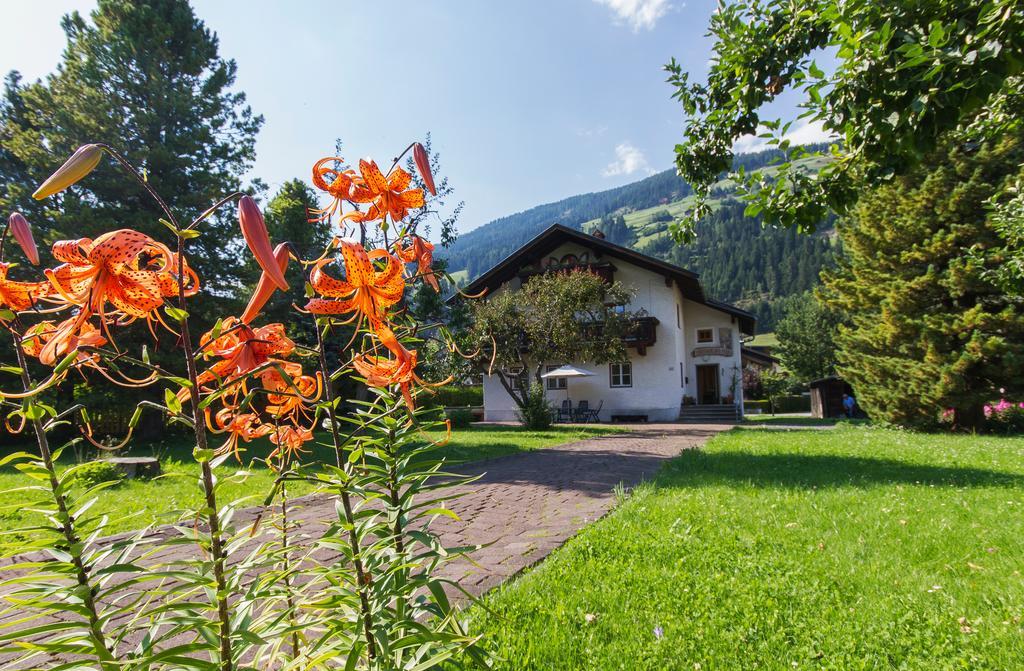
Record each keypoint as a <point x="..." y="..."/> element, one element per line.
<point x="697" y="316"/>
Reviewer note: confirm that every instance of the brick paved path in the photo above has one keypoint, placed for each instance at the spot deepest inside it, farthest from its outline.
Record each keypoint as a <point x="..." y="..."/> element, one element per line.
<point x="528" y="504"/>
<point x="521" y="508"/>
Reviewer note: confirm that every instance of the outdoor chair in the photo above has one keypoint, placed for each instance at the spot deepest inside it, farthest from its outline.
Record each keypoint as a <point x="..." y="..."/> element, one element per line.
<point x="584" y="413"/>
<point x="565" y="412"/>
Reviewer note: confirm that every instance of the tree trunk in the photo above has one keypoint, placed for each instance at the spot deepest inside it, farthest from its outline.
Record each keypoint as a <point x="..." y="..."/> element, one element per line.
<point x="971" y="418"/>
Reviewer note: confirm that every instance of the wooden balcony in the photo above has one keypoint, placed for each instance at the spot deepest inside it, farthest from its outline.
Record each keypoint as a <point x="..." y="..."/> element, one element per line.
<point x="642" y="334"/>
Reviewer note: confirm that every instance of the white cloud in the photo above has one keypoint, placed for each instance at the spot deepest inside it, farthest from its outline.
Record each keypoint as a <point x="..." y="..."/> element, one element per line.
<point x="638" y="13"/>
<point x="628" y="159"/>
<point x="804" y="132"/>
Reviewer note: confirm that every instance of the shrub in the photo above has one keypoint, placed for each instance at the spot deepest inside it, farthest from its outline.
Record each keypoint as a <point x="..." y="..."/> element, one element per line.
<point x="459" y="396"/>
<point x="93" y="473"/>
<point x="1005" y="417"/>
<point x="784" y="404"/>
<point x="461" y="418"/>
<point x="536" y="414"/>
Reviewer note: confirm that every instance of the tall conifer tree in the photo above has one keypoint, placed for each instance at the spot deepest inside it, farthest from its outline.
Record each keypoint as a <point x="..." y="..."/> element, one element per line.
<point x="930" y="329"/>
<point x="146" y="78"/>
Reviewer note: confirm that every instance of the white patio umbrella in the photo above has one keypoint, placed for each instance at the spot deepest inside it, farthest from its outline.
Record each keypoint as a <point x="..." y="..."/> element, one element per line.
<point x="567" y="372"/>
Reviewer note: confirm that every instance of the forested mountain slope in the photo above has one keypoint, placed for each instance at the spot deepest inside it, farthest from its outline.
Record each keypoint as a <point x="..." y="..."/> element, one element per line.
<point x="738" y="260"/>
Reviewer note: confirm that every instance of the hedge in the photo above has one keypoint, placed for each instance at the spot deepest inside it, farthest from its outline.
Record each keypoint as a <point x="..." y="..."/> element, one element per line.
<point x="453" y="396"/>
<point x="782" y="404"/>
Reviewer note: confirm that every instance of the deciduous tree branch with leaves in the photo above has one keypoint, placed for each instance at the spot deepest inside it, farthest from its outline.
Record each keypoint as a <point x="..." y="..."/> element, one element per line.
<point x="555" y="317"/>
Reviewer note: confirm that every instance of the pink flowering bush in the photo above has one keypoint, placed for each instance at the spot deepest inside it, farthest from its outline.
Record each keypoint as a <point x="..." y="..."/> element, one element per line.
<point x="1005" y="416"/>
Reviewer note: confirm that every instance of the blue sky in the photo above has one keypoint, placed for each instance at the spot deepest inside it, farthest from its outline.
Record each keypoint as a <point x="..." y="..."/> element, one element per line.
<point x="528" y="102"/>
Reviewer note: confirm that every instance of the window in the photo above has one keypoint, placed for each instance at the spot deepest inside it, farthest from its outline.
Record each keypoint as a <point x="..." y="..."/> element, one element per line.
<point x="705" y="336"/>
<point x="519" y="382"/>
<point x="679" y="317"/>
<point x="621" y="374"/>
<point x="553" y="383"/>
<point x="682" y="375"/>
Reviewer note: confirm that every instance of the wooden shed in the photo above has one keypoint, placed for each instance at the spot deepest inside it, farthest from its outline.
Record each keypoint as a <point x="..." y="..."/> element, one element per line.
<point x="827" y="396"/>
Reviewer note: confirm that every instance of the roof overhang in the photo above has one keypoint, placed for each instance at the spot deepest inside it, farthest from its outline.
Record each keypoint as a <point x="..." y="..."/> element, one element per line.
<point x="557" y="234"/>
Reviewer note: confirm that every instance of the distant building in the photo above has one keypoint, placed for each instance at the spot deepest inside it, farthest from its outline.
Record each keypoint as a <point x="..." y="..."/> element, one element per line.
<point x="827" y="396"/>
<point x="684" y="354"/>
<point x="759" y="359"/>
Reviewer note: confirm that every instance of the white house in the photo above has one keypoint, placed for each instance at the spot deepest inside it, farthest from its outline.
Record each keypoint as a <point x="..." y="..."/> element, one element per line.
<point x="683" y="357"/>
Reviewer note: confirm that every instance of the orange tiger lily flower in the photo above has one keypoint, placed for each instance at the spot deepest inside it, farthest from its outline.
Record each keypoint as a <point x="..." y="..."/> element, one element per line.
<point x="239" y="426"/>
<point x="128" y="269"/>
<point x="383" y="372"/>
<point x="390" y="196"/>
<point x="22" y="233"/>
<point x="289" y="440"/>
<point x="254" y="230"/>
<point x="422" y="253"/>
<point x="241" y="350"/>
<point x="422" y="161"/>
<point x="265" y="288"/>
<point x="19" y="296"/>
<point x="289" y="388"/>
<point x="365" y="290"/>
<point x="400" y="370"/>
<point x="340" y="185"/>
<point x="50" y="342"/>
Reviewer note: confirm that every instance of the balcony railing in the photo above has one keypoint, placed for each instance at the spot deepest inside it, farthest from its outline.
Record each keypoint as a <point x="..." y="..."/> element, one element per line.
<point x="641" y="333"/>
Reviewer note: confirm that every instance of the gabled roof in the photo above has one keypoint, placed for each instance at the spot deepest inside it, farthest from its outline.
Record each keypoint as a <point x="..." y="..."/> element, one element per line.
<point x="557" y="234"/>
<point x="759" y="355"/>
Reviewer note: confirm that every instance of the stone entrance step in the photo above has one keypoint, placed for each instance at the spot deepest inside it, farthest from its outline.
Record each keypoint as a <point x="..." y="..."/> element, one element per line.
<point x="709" y="414"/>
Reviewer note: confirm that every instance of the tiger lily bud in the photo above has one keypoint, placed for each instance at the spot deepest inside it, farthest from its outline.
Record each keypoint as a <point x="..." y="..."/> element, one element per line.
<point x="265" y="288"/>
<point x="23" y="234"/>
<point x="422" y="161"/>
<point x="254" y="230"/>
<point x="81" y="163"/>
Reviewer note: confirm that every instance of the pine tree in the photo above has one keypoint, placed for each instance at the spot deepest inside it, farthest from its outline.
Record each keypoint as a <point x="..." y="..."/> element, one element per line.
<point x="930" y="330"/>
<point x="147" y="79"/>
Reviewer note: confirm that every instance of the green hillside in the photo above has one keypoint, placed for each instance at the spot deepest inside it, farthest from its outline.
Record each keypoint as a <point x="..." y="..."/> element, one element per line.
<point x="648" y="229"/>
<point x="739" y="261"/>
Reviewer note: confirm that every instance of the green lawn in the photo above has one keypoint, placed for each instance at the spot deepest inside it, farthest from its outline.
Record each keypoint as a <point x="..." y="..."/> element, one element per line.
<point x="136" y="503"/>
<point x="764" y="340"/>
<point x="854" y="548"/>
<point x="797" y="420"/>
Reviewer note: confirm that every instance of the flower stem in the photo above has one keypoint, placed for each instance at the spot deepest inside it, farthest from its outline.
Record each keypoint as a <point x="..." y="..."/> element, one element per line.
<point x="285" y="464"/>
<point x="346" y="503"/>
<point x="75" y="548"/>
<point x="209" y="490"/>
<point x="394" y="492"/>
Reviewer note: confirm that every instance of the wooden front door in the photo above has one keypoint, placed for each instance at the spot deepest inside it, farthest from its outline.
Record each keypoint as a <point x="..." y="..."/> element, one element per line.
<point x="707" y="385"/>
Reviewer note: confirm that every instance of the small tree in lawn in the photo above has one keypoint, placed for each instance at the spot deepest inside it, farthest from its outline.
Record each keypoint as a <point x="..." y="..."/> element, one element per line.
<point x="774" y="384"/>
<point x="555" y="317"/>
<point x="807" y="338"/>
